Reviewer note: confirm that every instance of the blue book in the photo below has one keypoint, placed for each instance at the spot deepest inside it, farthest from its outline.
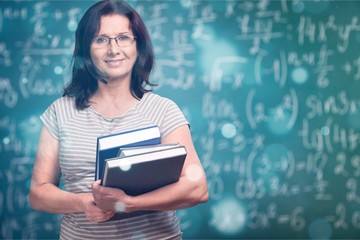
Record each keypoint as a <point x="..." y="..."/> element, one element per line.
<point x="108" y="146"/>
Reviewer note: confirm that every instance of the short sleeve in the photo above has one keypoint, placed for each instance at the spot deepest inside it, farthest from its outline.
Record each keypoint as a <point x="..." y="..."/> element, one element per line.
<point x="173" y="118"/>
<point x="49" y="119"/>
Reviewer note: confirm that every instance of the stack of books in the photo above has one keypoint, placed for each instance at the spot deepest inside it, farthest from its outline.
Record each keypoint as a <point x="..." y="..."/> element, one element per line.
<point x="136" y="162"/>
<point x="108" y="146"/>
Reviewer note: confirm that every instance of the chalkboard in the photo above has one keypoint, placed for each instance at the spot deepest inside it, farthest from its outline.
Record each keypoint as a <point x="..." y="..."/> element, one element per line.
<point x="270" y="89"/>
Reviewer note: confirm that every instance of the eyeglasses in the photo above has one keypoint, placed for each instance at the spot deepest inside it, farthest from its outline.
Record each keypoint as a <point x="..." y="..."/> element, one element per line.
<point x="123" y="40"/>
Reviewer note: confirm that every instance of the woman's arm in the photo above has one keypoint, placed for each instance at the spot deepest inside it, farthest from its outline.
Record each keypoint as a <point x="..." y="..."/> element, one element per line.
<point x="45" y="195"/>
<point x="191" y="189"/>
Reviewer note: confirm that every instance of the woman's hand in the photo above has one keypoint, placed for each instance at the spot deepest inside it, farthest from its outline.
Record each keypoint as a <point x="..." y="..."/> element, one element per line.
<point x="110" y="199"/>
<point x="93" y="212"/>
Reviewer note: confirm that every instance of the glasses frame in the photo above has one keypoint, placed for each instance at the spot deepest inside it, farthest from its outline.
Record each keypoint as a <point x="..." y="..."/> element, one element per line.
<point x="108" y="42"/>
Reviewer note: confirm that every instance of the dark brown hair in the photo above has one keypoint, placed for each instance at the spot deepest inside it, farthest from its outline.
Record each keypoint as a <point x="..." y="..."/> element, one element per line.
<point x="84" y="79"/>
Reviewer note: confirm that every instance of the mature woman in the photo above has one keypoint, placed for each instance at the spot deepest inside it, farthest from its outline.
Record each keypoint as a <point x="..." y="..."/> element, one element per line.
<point x="110" y="92"/>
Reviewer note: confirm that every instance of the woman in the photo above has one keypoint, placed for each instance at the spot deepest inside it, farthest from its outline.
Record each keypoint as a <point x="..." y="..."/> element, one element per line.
<point x="109" y="93"/>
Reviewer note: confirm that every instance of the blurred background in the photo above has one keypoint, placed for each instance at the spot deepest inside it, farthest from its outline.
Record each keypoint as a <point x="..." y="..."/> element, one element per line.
<point x="271" y="89"/>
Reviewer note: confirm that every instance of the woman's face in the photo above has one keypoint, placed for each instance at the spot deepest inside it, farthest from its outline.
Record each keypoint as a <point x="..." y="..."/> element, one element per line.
<point x="112" y="60"/>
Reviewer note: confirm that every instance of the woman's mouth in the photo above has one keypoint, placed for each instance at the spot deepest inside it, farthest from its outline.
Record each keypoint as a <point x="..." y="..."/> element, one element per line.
<point x="114" y="62"/>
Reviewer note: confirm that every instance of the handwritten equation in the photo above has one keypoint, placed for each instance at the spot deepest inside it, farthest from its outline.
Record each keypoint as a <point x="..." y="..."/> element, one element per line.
<point x="270" y="89"/>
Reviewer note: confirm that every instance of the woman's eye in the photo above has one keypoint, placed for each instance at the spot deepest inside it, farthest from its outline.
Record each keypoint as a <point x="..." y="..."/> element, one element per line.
<point x="122" y="38"/>
<point x="101" y="40"/>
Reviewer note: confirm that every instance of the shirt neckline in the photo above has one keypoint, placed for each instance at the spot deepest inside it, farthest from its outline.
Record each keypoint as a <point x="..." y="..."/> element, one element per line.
<point x="111" y="119"/>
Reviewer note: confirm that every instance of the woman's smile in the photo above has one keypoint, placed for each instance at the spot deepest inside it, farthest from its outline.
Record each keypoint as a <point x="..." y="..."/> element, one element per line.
<point x="114" y="62"/>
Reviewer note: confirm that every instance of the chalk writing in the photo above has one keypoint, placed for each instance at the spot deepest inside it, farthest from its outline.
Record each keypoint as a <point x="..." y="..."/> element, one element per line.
<point x="270" y="89"/>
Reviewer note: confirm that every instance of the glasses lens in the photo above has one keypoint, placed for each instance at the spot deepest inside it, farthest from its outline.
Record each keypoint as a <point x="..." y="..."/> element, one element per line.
<point x="101" y="40"/>
<point x="123" y="40"/>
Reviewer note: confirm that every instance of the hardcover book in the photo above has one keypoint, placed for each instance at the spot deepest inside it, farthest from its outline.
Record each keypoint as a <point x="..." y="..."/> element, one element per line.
<point x="139" y="173"/>
<point x="108" y="146"/>
<point x="144" y="172"/>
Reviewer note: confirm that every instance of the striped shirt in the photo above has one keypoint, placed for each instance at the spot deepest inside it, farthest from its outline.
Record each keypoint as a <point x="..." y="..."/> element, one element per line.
<point x="77" y="131"/>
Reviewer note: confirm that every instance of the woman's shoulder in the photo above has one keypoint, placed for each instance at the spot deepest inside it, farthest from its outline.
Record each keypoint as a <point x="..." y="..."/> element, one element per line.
<point x="157" y="99"/>
<point x="62" y="106"/>
<point x="162" y="111"/>
<point x="64" y="102"/>
<point x="63" y="109"/>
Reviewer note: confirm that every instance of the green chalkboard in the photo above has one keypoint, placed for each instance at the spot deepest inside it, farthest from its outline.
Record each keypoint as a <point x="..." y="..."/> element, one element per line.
<point x="271" y="89"/>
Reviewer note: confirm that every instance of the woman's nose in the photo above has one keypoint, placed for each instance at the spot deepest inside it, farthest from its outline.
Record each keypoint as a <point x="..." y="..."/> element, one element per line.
<point x="113" y="47"/>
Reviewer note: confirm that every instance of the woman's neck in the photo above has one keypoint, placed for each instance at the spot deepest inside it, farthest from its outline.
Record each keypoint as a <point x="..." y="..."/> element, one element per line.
<point x="113" y="100"/>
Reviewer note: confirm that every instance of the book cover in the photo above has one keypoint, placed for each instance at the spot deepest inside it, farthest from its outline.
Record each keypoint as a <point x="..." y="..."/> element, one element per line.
<point x="144" y="172"/>
<point x="108" y="146"/>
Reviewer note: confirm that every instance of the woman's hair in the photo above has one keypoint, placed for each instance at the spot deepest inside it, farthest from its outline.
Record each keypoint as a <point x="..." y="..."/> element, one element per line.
<point x="84" y="80"/>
